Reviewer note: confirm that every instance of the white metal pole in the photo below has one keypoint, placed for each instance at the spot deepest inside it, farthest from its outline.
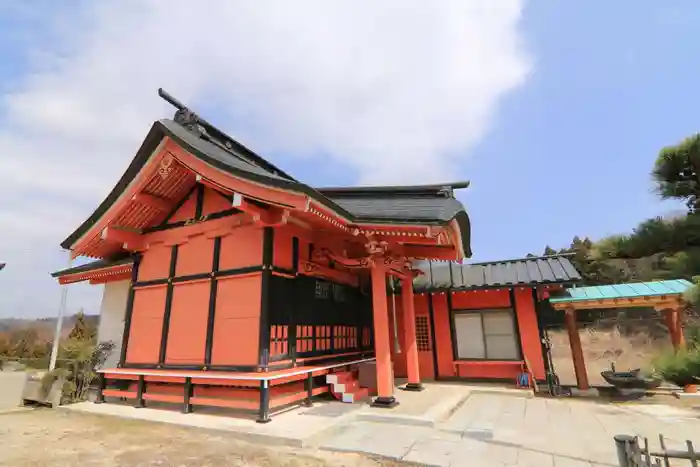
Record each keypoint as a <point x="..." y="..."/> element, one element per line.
<point x="59" y="320"/>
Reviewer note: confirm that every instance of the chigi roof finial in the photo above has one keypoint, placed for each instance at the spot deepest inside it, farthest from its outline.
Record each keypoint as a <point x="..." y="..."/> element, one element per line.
<point x="205" y="130"/>
<point x="184" y="116"/>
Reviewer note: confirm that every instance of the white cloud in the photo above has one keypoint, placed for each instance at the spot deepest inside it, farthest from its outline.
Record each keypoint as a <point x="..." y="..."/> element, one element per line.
<point x="398" y="90"/>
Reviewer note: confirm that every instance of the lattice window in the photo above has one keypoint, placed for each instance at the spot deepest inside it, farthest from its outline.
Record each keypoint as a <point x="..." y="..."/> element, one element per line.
<point x="338" y="293"/>
<point x="323" y="289"/>
<point x="345" y="337"/>
<point x="305" y="336"/>
<point x="366" y="337"/>
<point x="323" y="338"/>
<point x="279" y="340"/>
<point x="422" y="334"/>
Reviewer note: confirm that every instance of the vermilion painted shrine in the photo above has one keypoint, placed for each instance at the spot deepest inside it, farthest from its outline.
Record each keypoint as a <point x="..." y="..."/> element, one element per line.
<point x="230" y="283"/>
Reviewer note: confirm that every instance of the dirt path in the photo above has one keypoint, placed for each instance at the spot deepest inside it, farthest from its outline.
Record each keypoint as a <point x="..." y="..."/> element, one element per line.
<point x="45" y="437"/>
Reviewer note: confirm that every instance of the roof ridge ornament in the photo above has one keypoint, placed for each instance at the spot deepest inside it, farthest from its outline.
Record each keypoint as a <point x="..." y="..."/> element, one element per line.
<point x="205" y="130"/>
<point x="184" y="116"/>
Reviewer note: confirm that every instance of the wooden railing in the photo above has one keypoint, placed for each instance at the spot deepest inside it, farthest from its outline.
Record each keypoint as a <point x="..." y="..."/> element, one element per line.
<point x="630" y="453"/>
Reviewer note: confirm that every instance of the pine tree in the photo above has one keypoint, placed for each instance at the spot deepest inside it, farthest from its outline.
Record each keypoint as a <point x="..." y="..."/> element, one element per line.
<point x="549" y="251"/>
<point x="81" y="330"/>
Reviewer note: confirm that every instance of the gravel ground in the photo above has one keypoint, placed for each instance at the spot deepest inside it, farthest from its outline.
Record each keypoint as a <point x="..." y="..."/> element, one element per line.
<point x="44" y="437"/>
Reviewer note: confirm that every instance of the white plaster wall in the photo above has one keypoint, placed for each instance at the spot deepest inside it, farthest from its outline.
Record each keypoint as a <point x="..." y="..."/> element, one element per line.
<point x="112" y="314"/>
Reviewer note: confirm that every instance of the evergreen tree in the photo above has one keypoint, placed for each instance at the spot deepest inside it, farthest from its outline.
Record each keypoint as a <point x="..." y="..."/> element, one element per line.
<point x="81" y="330"/>
<point x="677" y="172"/>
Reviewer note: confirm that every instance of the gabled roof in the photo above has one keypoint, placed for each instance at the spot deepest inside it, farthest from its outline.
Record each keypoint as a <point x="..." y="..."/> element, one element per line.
<point x="556" y="269"/>
<point x="427" y="205"/>
<point x="93" y="266"/>
<point x="622" y="291"/>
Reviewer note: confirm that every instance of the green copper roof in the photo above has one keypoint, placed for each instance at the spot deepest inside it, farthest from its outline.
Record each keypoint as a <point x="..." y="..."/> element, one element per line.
<point x="630" y="290"/>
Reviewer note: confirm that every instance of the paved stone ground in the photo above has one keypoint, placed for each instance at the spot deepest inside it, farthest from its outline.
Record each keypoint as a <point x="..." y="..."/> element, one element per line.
<point x="502" y="430"/>
<point x="478" y="429"/>
<point x="301" y="426"/>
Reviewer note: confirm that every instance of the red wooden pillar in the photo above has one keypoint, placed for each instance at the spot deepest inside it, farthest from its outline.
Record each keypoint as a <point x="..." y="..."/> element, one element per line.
<point x="409" y="326"/>
<point x="674" y="322"/>
<point x="679" y="327"/>
<point x="576" y="349"/>
<point x="382" y="348"/>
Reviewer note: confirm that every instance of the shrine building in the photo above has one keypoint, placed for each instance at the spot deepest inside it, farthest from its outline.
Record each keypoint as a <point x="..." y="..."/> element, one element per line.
<point x="229" y="283"/>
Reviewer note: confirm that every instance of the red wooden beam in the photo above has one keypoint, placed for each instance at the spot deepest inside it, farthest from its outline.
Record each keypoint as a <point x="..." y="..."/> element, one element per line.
<point x="318" y="270"/>
<point x="152" y="201"/>
<point x="211" y="228"/>
<point x="129" y="239"/>
<point x="414" y="251"/>
<point x="272" y="216"/>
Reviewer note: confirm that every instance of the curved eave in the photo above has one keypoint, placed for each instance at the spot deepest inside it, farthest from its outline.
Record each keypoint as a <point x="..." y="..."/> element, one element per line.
<point x="160" y="130"/>
<point x="97" y="275"/>
<point x="465" y="231"/>
<point x="226" y="162"/>
<point x="147" y="147"/>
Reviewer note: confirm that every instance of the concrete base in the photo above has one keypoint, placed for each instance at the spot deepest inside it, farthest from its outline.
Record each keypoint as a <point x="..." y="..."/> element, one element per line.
<point x="689" y="396"/>
<point x="297" y="428"/>
<point x="11" y="387"/>
<point x="415" y="387"/>
<point x="590" y="392"/>
<point x="440" y="407"/>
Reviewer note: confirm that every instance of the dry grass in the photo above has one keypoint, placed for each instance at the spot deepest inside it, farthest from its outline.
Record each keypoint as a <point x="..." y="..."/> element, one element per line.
<point x="601" y="347"/>
<point x="58" y="438"/>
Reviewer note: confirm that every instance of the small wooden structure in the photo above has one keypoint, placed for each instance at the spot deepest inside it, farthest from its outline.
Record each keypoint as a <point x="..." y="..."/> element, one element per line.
<point x="665" y="296"/>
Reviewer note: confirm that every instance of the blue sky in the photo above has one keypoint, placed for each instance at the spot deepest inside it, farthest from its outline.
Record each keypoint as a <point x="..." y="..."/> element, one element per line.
<point x="573" y="147"/>
<point x="554" y="111"/>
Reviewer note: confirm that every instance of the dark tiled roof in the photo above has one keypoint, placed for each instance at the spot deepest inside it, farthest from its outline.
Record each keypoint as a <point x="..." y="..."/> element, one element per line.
<point x="93" y="266"/>
<point x="232" y="158"/>
<point x="433" y="204"/>
<point x="526" y="271"/>
<point x="422" y="204"/>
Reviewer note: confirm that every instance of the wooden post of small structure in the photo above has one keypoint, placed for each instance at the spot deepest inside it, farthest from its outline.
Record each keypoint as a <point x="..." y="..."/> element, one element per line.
<point x="576" y="349"/>
<point x="679" y="327"/>
<point x="409" y="326"/>
<point x="382" y="348"/>
<point x="674" y="322"/>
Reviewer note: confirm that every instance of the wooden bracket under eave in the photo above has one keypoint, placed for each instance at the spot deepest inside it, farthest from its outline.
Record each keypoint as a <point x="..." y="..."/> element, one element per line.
<point x="430" y="252"/>
<point x="313" y="269"/>
<point x="272" y="217"/>
<point x="128" y="238"/>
